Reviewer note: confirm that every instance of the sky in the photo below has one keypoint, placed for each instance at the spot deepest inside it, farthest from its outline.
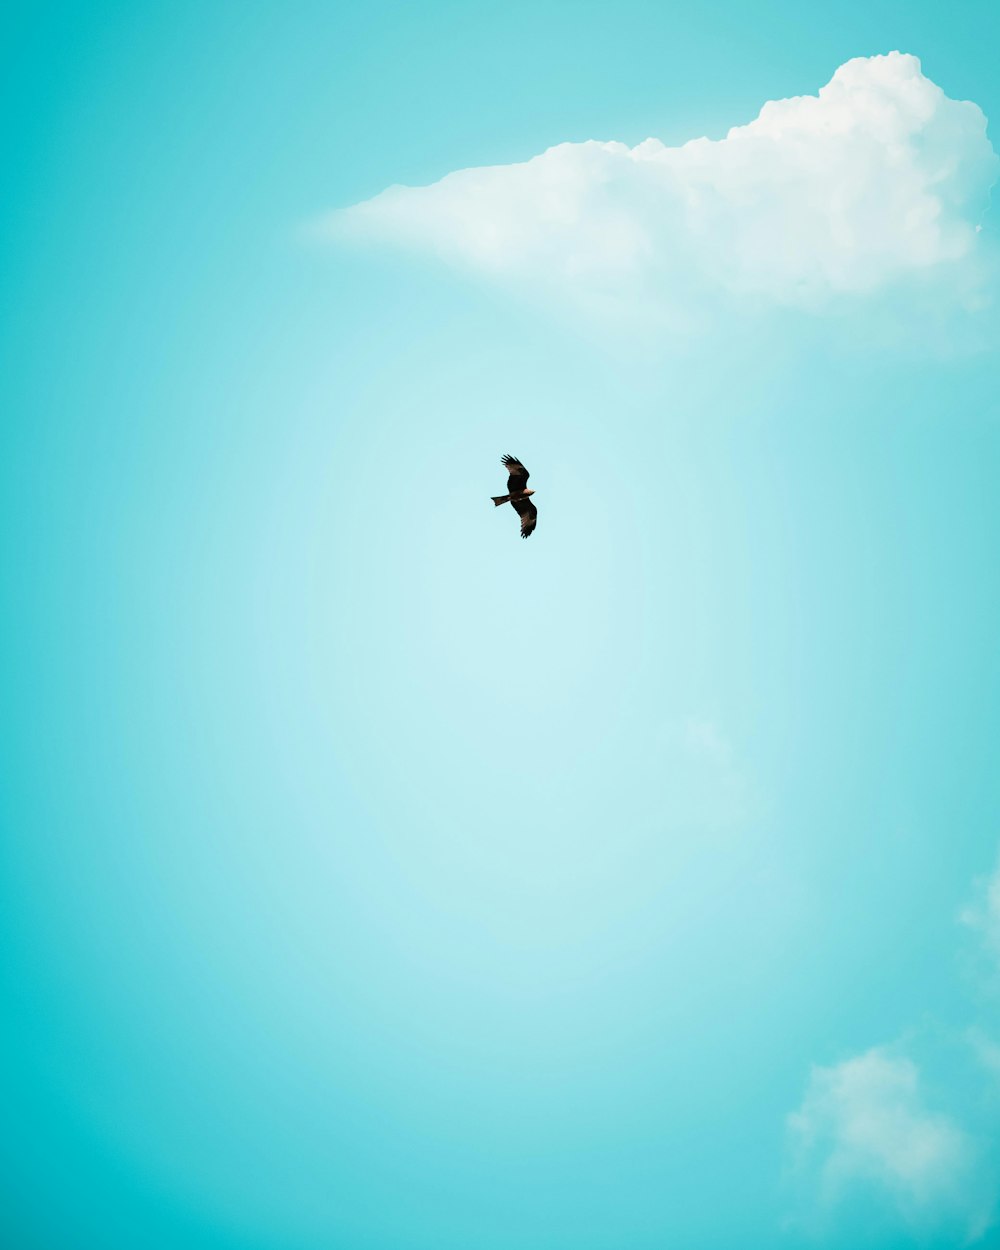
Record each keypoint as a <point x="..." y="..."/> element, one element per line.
<point x="372" y="879"/>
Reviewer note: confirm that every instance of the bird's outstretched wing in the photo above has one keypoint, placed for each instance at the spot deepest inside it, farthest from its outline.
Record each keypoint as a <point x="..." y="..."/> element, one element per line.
<point x="518" y="479"/>
<point x="528" y="513"/>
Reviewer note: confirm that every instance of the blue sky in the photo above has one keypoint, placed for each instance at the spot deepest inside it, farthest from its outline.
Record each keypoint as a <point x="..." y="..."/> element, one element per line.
<point x="374" y="879"/>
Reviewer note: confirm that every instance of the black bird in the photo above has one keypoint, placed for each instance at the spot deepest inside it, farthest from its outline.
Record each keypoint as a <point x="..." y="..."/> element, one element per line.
<point x="517" y="495"/>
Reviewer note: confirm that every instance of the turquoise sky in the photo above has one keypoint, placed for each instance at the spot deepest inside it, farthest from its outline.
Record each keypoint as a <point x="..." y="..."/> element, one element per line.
<point x="373" y="880"/>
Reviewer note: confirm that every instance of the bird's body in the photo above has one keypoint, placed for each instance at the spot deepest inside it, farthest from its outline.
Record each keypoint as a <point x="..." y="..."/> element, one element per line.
<point x="517" y="495"/>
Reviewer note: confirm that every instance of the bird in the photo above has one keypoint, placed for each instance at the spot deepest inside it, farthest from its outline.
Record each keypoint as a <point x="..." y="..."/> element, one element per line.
<point x="517" y="494"/>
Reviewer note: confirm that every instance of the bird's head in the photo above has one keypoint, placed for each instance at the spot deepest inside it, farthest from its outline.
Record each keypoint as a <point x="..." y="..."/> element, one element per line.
<point x="529" y="492"/>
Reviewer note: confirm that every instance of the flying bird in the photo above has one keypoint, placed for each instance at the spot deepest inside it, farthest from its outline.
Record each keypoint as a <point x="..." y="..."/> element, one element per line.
<point x="517" y="495"/>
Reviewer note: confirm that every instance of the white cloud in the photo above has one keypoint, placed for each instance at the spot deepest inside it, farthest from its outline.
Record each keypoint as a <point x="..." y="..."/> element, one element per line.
<point x="863" y="1128"/>
<point x="878" y="179"/>
<point x="983" y="915"/>
<point x="712" y="786"/>
<point x="986" y="1050"/>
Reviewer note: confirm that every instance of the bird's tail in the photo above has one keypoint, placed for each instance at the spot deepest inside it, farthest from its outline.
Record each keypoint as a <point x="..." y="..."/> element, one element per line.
<point x="499" y="499"/>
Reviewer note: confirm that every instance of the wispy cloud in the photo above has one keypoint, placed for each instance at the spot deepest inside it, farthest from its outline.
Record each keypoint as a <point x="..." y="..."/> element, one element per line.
<point x="878" y="179"/>
<point x="986" y="1050"/>
<point x="868" y="1133"/>
<point x="711" y="785"/>
<point x="864" y="1128"/>
<point x="982" y="914"/>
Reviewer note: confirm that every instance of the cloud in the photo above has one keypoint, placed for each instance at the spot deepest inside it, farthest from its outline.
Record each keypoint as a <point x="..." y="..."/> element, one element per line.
<point x="983" y="915"/>
<point x="864" y="1130"/>
<point x="868" y="1142"/>
<point x="710" y="785"/>
<point x="878" y="180"/>
<point x="986" y="1050"/>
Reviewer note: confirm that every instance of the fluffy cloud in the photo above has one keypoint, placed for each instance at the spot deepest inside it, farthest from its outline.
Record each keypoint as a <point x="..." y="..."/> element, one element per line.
<point x="864" y="1129"/>
<point x="877" y="179"/>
